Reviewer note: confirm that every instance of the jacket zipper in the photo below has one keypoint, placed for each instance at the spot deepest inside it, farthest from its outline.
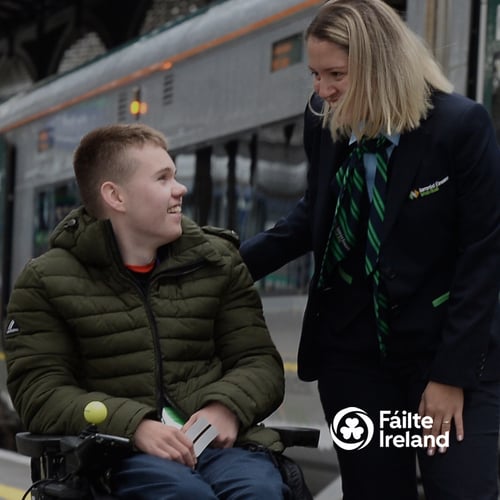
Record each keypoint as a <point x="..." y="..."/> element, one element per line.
<point x="161" y="395"/>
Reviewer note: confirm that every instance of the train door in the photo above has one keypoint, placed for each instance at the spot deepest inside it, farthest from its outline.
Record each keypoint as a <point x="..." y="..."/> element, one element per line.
<point x="486" y="73"/>
<point x="7" y="175"/>
<point x="492" y="64"/>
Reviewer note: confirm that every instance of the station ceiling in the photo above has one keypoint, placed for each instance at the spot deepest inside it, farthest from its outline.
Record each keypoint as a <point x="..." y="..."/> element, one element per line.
<point x="15" y="14"/>
<point x="38" y="32"/>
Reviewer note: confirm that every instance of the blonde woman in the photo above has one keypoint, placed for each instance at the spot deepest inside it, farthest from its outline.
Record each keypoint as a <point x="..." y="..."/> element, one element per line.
<point x="402" y="214"/>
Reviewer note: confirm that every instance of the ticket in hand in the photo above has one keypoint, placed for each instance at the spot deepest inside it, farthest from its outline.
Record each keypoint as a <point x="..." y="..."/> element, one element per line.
<point x="202" y="433"/>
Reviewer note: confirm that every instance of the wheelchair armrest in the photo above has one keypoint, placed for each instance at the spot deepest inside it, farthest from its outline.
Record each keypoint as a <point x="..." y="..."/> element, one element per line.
<point x="36" y="445"/>
<point x="298" y="436"/>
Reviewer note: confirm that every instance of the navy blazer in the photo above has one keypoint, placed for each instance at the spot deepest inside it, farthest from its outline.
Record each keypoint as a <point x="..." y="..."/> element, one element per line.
<point x="440" y="248"/>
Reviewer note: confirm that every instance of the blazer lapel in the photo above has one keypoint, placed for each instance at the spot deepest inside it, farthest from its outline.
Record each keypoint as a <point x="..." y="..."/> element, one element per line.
<point x="405" y="162"/>
<point x="331" y="159"/>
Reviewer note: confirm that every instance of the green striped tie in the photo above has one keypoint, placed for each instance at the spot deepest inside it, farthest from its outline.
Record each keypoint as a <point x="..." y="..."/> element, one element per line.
<point x="350" y="179"/>
<point x="375" y="224"/>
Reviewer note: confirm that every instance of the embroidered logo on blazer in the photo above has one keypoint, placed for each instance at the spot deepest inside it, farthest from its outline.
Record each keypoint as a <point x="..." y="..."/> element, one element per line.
<point x="427" y="190"/>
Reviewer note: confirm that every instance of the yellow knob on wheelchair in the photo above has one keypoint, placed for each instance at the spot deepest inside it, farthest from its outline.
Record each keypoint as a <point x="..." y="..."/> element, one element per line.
<point x="95" y="412"/>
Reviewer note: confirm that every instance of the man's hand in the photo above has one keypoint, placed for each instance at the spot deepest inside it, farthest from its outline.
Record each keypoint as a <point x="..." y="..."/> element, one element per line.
<point x="443" y="403"/>
<point x="223" y="419"/>
<point x="164" y="441"/>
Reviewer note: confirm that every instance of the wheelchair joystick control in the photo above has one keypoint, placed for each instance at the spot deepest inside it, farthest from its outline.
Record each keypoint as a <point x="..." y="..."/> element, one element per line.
<point x="95" y="412"/>
<point x="70" y="466"/>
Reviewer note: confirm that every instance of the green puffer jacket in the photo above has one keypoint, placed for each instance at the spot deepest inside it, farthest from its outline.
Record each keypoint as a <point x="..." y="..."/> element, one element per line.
<point x="80" y="328"/>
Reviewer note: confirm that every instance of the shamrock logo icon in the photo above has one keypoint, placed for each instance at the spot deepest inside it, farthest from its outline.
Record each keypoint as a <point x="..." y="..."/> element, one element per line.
<point x="352" y="428"/>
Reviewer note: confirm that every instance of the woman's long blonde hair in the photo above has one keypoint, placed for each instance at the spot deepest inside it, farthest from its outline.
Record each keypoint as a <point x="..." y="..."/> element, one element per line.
<point x="391" y="72"/>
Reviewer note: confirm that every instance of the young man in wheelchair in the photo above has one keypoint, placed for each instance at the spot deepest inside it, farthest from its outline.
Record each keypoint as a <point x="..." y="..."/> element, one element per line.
<point x="137" y="307"/>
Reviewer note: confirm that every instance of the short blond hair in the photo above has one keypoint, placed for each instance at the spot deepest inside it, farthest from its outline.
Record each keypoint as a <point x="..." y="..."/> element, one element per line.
<point x="100" y="157"/>
<point x="391" y="72"/>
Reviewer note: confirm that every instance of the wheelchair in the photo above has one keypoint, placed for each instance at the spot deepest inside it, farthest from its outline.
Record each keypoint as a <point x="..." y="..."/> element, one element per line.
<point x="77" y="467"/>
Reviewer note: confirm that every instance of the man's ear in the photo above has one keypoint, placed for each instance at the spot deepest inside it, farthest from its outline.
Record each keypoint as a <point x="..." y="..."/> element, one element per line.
<point x="112" y="196"/>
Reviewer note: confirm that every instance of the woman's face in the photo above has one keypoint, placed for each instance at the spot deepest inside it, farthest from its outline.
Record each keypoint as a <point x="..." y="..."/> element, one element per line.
<point x="328" y="63"/>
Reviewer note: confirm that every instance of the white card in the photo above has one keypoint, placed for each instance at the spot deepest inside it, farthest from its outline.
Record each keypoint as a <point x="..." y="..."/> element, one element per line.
<point x="202" y="434"/>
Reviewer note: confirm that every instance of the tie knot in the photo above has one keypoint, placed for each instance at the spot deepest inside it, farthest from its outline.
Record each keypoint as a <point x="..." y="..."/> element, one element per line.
<point x="374" y="145"/>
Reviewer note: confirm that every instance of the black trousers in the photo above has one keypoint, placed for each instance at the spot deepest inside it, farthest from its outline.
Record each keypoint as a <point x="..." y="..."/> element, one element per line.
<point x="467" y="471"/>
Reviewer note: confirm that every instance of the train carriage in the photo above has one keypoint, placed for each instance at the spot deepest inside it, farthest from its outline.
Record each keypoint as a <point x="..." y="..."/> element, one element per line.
<point x="227" y="86"/>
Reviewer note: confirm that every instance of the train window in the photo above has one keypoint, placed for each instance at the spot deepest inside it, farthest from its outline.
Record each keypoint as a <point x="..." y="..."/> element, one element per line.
<point x="279" y="181"/>
<point x="231" y="182"/>
<point x="247" y="183"/>
<point x="52" y="204"/>
<point x="286" y="52"/>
